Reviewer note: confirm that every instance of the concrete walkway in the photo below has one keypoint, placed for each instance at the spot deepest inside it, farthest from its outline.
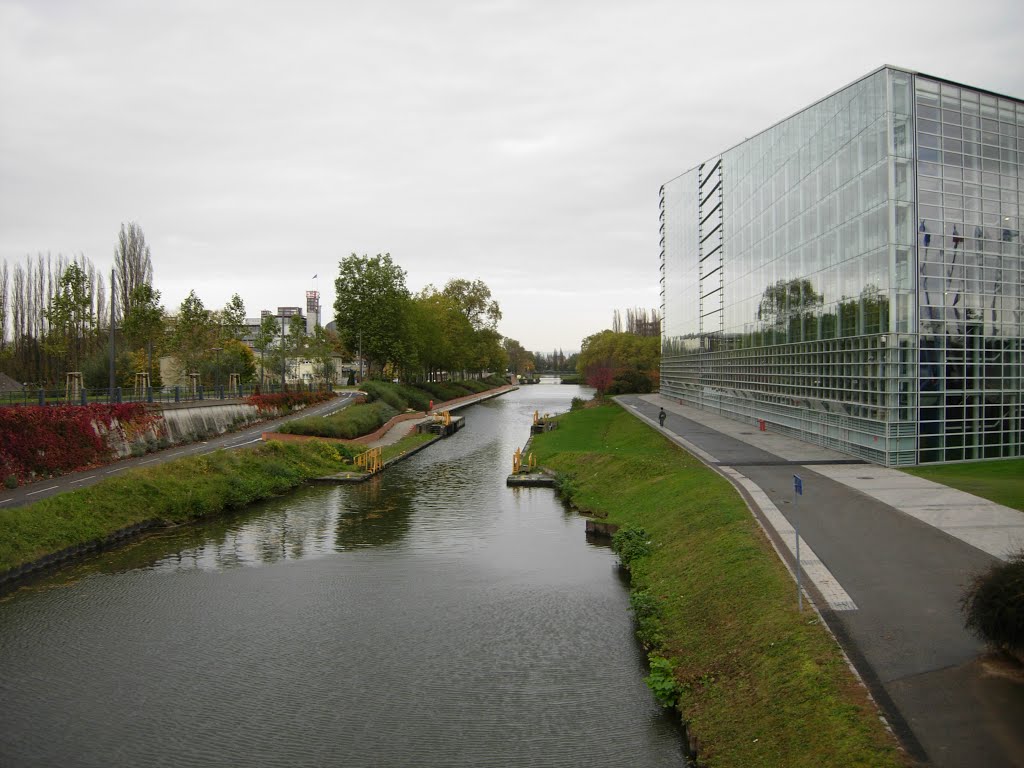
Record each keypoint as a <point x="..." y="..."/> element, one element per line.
<point x="888" y="556"/>
<point x="403" y="428"/>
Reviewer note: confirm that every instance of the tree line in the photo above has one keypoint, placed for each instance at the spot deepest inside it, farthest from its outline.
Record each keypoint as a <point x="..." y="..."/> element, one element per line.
<point x="421" y="336"/>
<point x="56" y="315"/>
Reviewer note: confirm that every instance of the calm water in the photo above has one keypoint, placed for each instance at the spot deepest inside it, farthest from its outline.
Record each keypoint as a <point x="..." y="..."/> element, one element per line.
<point x="430" y="617"/>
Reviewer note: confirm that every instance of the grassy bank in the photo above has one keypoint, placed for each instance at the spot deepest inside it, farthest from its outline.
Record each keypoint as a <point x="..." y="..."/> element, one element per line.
<point x="385" y="399"/>
<point x="759" y="683"/>
<point x="176" y="492"/>
<point x="998" y="481"/>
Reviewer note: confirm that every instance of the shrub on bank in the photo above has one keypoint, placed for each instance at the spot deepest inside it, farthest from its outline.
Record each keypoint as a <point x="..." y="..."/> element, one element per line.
<point x="993" y="606"/>
<point x="346" y="424"/>
<point x="288" y="401"/>
<point x="48" y="440"/>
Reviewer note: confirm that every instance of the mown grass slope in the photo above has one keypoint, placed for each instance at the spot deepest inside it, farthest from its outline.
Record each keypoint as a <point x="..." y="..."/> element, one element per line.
<point x="759" y="683"/>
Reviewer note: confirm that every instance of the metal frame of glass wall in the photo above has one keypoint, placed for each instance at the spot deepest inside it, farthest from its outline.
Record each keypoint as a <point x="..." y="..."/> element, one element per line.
<point x="797" y="287"/>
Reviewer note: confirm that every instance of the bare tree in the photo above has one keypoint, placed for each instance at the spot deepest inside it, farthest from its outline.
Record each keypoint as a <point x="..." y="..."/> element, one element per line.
<point x="132" y="264"/>
<point x="4" y="285"/>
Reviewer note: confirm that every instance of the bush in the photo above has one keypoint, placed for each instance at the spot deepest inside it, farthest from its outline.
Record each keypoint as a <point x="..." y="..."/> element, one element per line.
<point x="48" y="440"/>
<point x="11" y="481"/>
<point x="630" y="544"/>
<point x="577" y="404"/>
<point x="354" y="421"/>
<point x="647" y="612"/>
<point x="662" y="681"/>
<point x="287" y="401"/>
<point x="994" y="605"/>
<point x="630" y="382"/>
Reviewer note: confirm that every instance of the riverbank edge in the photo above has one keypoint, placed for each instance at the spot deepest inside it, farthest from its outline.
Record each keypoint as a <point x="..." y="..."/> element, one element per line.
<point x="752" y="730"/>
<point x="372" y="437"/>
<point x="12" y="576"/>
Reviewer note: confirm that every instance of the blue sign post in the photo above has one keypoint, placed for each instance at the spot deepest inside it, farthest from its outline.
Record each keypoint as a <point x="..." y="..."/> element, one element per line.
<point x="798" y="491"/>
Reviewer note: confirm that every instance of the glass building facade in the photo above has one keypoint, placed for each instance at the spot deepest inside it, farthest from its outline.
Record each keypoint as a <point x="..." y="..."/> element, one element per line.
<point x="853" y="274"/>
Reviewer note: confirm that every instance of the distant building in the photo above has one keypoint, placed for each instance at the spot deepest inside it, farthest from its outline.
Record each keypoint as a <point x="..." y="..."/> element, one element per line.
<point x="853" y="275"/>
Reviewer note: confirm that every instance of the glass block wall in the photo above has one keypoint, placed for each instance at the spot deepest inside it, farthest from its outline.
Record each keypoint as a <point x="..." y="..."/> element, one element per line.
<point x="797" y="288"/>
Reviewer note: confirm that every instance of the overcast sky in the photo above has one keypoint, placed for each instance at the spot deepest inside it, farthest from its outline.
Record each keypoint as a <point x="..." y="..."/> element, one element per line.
<point x="521" y="143"/>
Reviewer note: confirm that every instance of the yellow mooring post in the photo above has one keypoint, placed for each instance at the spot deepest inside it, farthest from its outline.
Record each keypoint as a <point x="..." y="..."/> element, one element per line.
<point x="536" y="417"/>
<point x="517" y="461"/>
<point x="533" y="462"/>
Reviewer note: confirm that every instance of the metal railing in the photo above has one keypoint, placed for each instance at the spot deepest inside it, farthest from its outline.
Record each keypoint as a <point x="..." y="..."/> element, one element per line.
<point x="164" y="395"/>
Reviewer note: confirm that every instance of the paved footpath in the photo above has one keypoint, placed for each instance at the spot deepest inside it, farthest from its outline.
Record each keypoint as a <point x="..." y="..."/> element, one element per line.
<point x="888" y="556"/>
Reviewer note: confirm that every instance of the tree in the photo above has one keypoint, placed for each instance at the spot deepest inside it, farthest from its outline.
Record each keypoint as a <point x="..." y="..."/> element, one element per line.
<point x="265" y="338"/>
<point x="321" y="348"/>
<point x="143" y="318"/>
<point x="69" y="316"/>
<point x="192" y="335"/>
<point x="132" y="263"/>
<point x="232" y="318"/>
<point x="607" y="355"/>
<point x="474" y="301"/>
<point x="372" y="303"/>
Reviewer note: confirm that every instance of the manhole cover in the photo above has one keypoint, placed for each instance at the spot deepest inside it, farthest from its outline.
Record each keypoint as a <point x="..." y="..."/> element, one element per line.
<point x="865" y="477"/>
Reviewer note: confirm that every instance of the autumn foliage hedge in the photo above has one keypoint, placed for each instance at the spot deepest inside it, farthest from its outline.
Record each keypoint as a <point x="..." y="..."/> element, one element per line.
<point x="47" y="440"/>
<point x="287" y="401"/>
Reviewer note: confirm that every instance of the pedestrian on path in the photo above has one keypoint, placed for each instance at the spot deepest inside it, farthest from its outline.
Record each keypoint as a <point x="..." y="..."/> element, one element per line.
<point x="661" y="417"/>
<point x="430" y="407"/>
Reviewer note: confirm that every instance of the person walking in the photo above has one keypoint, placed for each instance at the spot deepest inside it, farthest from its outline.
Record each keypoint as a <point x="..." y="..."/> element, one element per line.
<point x="661" y="417"/>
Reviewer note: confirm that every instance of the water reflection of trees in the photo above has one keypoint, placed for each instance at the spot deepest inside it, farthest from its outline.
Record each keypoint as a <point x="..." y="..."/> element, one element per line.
<point x="373" y="514"/>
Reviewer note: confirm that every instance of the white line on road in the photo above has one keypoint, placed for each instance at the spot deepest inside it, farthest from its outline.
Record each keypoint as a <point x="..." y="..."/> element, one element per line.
<point x="83" y="479"/>
<point x="42" y="490"/>
<point x="827" y="584"/>
<point x="4" y="501"/>
<point x="148" y="461"/>
<point x="116" y="469"/>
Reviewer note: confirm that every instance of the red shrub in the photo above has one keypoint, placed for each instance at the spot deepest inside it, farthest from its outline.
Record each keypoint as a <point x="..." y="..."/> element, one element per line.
<point x="48" y="440"/>
<point x="287" y="401"/>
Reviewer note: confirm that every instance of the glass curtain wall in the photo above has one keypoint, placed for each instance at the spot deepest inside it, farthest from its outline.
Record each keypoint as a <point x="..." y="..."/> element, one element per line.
<point x="970" y="147"/>
<point x="813" y="327"/>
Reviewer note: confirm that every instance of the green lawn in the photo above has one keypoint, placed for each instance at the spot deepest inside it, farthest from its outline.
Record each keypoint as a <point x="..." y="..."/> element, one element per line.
<point x="999" y="481"/>
<point x="760" y="683"/>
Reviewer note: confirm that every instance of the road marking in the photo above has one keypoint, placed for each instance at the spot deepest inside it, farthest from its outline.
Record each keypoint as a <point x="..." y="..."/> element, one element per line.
<point x="42" y="490"/>
<point x="148" y="461"/>
<point x="4" y="501"/>
<point x="83" y="479"/>
<point x="116" y="469"/>
<point x="827" y="584"/>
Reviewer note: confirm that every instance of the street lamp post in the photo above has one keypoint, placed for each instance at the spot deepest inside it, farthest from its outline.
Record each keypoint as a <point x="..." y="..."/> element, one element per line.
<point x="216" y="372"/>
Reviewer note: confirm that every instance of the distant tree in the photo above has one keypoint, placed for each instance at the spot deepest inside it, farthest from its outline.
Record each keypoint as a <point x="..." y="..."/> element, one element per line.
<point x="4" y="283"/>
<point x="321" y="347"/>
<point x="231" y="319"/>
<point x="607" y="355"/>
<point x="69" y="316"/>
<point x="787" y="298"/>
<point x="372" y="303"/>
<point x="133" y="265"/>
<point x="143" y="317"/>
<point x="517" y="355"/>
<point x="266" y="336"/>
<point x="474" y="301"/>
<point x="192" y="333"/>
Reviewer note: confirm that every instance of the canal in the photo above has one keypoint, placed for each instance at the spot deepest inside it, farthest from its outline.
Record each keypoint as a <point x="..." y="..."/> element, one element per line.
<point x="429" y="617"/>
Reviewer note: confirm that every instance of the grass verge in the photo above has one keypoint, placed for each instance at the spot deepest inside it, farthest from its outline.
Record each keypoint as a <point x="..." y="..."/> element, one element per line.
<point x="999" y="481"/>
<point x="175" y="492"/>
<point x="758" y="682"/>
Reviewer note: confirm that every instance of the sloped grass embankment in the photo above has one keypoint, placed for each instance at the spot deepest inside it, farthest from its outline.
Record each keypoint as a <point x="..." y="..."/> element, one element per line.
<point x="176" y="492"/>
<point x="758" y="682"/>
<point x="384" y="400"/>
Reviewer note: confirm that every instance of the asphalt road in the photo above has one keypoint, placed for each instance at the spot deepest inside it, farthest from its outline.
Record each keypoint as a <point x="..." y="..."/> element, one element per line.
<point x="27" y="494"/>
<point x="948" y="702"/>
